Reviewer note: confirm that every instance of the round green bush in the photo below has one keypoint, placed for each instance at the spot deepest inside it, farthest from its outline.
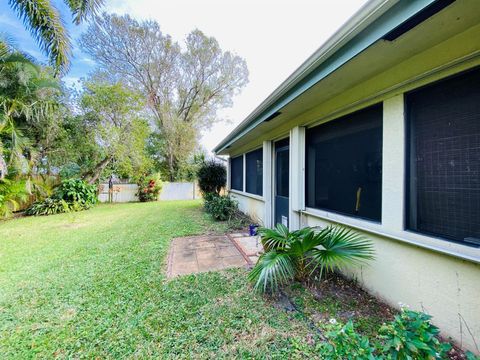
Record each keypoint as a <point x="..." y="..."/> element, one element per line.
<point x="212" y="177"/>
<point x="221" y="208"/>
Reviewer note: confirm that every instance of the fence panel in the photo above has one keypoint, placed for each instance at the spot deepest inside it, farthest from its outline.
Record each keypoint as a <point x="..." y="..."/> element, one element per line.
<point x="121" y="193"/>
<point x="179" y="191"/>
<point x="170" y="191"/>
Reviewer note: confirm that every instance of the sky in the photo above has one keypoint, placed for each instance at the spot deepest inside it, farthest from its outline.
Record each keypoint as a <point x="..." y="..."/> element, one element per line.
<point x="274" y="37"/>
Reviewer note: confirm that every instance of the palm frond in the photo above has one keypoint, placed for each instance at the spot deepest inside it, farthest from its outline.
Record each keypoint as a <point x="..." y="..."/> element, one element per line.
<point x="6" y="44"/>
<point x="303" y="241"/>
<point x="273" y="269"/>
<point x="45" y="25"/>
<point x="17" y="57"/>
<point x="12" y="194"/>
<point x="40" y="84"/>
<point x="82" y="9"/>
<point x="277" y="238"/>
<point x="339" y="247"/>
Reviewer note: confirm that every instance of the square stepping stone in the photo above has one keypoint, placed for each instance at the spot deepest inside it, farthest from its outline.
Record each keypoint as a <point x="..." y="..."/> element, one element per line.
<point x="195" y="254"/>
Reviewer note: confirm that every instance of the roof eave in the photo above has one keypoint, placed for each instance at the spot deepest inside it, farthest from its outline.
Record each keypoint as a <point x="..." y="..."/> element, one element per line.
<point x="359" y="21"/>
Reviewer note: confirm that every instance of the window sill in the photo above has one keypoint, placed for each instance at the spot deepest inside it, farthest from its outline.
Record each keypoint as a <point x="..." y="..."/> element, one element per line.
<point x="431" y="243"/>
<point x="243" y="193"/>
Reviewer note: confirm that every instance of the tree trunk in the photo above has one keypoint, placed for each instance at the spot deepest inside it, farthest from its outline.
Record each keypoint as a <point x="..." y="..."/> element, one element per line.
<point x="171" y="166"/>
<point x="92" y="176"/>
<point x="3" y="165"/>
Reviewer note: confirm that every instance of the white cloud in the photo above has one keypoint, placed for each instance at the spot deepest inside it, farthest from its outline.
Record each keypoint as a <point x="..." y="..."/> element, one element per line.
<point x="274" y="36"/>
<point x="72" y="82"/>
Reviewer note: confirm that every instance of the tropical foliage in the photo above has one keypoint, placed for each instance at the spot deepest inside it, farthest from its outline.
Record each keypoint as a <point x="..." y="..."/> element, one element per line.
<point x="43" y="21"/>
<point x="221" y="207"/>
<point x="12" y="194"/>
<point x="297" y="254"/>
<point x="149" y="188"/>
<point x="70" y="195"/>
<point x="344" y="343"/>
<point x="113" y="119"/>
<point x="125" y="119"/>
<point x="183" y="85"/>
<point x="30" y="106"/>
<point x="411" y="335"/>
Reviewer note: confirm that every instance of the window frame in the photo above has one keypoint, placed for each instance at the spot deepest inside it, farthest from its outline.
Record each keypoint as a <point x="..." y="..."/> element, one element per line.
<point x="409" y="189"/>
<point x="325" y="210"/>
<point x="246" y="175"/>
<point x="242" y="157"/>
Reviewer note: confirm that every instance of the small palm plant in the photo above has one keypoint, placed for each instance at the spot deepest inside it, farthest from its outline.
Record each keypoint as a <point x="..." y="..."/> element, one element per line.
<point x="297" y="254"/>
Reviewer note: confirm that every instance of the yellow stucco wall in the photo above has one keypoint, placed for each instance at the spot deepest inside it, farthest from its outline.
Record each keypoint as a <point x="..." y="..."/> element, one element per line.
<point x="253" y="207"/>
<point x="424" y="277"/>
<point x="446" y="287"/>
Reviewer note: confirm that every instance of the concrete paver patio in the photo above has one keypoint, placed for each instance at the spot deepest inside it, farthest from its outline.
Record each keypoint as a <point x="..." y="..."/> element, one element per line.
<point x="249" y="246"/>
<point x="195" y="254"/>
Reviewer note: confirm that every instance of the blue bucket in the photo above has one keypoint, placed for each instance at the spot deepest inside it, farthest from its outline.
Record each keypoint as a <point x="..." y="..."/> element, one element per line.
<point x="252" y="229"/>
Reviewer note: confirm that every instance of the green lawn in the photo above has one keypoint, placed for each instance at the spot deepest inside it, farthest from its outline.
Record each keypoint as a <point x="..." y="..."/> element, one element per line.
<point x="92" y="284"/>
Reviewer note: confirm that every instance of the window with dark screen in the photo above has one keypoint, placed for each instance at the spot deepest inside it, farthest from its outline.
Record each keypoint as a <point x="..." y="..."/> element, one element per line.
<point x="443" y="160"/>
<point x="254" y="172"/>
<point x="344" y="165"/>
<point x="236" y="173"/>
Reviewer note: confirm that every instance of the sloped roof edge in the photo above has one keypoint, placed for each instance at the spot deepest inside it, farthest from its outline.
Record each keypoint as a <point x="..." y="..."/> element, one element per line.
<point x="316" y="66"/>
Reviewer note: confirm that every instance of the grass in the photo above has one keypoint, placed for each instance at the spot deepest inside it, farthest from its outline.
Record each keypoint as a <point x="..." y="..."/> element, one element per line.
<point x="92" y="284"/>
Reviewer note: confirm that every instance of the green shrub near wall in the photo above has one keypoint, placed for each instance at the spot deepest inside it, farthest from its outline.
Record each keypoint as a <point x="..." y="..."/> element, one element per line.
<point x="409" y="336"/>
<point x="221" y="207"/>
<point x="70" y="195"/>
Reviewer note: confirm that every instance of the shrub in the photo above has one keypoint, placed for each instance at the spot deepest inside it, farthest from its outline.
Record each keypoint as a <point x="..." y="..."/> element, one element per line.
<point x="297" y="254"/>
<point x="212" y="177"/>
<point x="411" y="335"/>
<point x="208" y="198"/>
<point x="51" y="206"/>
<point x="70" y="195"/>
<point x="149" y="188"/>
<point x="77" y="191"/>
<point x="344" y="343"/>
<point x="221" y="207"/>
<point x="12" y="194"/>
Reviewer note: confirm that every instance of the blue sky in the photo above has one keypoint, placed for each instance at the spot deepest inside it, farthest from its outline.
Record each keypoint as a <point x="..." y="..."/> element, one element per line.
<point x="274" y="36"/>
<point x="13" y="26"/>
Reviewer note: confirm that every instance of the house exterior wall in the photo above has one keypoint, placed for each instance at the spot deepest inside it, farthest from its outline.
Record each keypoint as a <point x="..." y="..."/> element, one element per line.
<point x="429" y="274"/>
<point x="252" y="206"/>
<point x="445" y="287"/>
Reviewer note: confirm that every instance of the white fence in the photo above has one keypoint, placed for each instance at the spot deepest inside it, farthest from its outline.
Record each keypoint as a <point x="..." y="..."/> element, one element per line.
<point x="180" y="191"/>
<point x="170" y="191"/>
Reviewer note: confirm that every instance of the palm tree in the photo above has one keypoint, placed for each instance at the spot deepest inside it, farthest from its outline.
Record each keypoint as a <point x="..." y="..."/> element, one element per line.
<point x="297" y="254"/>
<point x="43" y="21"/>
<point x="12" y="194"/>
<point x="26" y="95"/>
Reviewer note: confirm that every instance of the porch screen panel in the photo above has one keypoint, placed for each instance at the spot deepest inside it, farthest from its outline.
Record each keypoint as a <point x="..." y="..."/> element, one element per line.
<point x="254" y="175"/>
<point x="344" y="165"/>
<point x="236" y="173"/>
<point x="443" y="169"/>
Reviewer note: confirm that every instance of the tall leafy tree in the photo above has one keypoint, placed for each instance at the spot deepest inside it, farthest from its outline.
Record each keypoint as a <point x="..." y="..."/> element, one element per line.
<point x="43" y="21"/>
<point x="112" y="119"/>
<point x="183" y="86"/>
